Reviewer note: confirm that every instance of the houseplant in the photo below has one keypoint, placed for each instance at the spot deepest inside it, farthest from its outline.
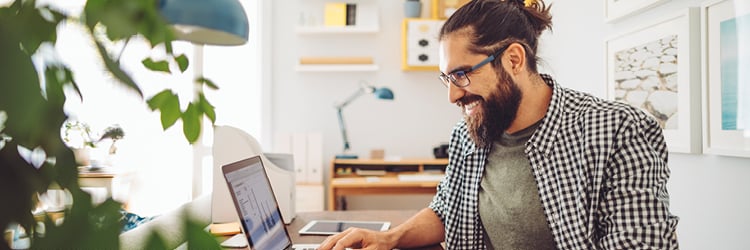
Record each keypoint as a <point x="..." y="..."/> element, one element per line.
<point x="31" y="116"/>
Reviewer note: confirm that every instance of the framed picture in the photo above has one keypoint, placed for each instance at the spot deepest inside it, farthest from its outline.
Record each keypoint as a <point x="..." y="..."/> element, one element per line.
<point x="725" y="27"/>
<point x="657" y="68"/>
<point x="442" y="9"/>
<point x="617" y="9"/>
<point x="420" y="44"/>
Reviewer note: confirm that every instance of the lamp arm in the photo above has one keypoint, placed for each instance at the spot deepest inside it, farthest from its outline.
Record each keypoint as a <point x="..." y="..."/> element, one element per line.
<point x="358" y="93"/>
<point x="343" y="128"/>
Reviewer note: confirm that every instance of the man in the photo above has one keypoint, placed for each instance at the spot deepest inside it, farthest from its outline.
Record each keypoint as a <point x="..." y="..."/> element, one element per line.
<point x="533" y="165"/>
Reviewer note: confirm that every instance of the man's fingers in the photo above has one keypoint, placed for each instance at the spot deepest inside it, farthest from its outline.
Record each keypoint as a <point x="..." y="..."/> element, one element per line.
<point x="352" y="238"/>
<point x="333" y="239"/>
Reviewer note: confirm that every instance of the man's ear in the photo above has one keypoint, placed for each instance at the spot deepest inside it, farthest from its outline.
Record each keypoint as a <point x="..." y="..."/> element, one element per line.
<point x="515" y="54"/>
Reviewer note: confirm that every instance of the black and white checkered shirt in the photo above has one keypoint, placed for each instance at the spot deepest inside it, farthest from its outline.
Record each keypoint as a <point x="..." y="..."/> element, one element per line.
<point x="601" y="169"/>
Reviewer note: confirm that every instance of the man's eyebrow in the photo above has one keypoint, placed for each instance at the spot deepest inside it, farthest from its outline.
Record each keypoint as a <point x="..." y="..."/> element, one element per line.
<point x="459" y="68"/>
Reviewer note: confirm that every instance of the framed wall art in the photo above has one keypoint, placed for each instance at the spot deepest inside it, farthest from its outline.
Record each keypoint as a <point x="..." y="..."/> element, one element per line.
<point x="617" y="9"/>
<point x="725" y="27"/>
<point x="657" y="68"/>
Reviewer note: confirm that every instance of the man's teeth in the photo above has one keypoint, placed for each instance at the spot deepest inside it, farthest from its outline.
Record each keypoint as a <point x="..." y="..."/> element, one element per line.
<point x="471" y="105"/>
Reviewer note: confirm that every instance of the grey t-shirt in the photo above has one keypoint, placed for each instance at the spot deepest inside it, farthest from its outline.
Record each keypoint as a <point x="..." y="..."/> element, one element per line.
<point x="509" y="205"/>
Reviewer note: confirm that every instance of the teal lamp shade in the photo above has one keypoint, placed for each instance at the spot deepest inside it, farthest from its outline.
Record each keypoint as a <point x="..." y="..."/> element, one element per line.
<point x="215" y="22"/>
<point x="384" y="93"/>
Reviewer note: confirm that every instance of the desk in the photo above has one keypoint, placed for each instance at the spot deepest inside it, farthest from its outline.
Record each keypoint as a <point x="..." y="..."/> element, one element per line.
<point x="102" y="178"/>
<point x="396" y="217"/>
<point x="369" y="176"/>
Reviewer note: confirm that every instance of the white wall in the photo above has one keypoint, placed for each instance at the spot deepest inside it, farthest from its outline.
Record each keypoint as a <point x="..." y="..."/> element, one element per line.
<point x="707" y="192"/>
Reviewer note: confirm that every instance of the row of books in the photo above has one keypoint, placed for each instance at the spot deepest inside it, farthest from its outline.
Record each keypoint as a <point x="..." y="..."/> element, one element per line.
<point x="340" y="14"/>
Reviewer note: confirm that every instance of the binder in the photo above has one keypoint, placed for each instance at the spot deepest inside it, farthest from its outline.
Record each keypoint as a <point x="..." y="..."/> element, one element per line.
<point x="335" y="14"/>
<point x="314" y="158"/>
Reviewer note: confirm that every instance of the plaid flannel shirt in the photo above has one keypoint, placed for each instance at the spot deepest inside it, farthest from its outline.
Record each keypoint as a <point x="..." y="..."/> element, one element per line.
<point x="601" y="169"/>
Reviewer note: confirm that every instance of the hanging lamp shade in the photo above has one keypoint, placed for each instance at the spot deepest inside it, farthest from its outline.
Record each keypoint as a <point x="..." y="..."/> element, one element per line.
<point x="214" y="22"/>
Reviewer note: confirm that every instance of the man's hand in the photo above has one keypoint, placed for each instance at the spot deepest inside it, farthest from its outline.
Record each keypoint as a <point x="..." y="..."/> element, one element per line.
<point x="360" y="239"/>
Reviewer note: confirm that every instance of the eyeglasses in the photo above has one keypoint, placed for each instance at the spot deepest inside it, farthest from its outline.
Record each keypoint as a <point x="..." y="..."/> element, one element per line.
<point x="460" y="78"/>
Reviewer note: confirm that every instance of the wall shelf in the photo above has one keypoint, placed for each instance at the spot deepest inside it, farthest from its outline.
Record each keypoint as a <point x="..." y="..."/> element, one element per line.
<point x="313" y="30"/>
<point x="337" y="68"/>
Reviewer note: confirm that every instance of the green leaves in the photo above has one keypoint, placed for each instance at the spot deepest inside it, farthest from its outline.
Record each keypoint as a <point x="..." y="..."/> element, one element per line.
<point x="114" y="68"/>
<point x="42" y="20"/>
<point x="168" y="103"/>
<point x="162" y="66"/>
<point x="182" y="62"/>
<point x="32" y="110"/>
<point x="125" y="19"/>
<point x="207" y="82"/>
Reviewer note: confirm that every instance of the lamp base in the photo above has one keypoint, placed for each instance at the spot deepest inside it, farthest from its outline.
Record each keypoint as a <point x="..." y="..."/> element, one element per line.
<point x="345" y="156"/>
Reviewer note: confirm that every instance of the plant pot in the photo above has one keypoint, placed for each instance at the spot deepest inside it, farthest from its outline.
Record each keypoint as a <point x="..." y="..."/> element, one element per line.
<point x="83" y="156"/>
<point x="413" y="9"/>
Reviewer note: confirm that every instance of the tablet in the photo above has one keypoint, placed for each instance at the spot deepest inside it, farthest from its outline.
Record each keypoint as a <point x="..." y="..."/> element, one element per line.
<point x="330" y="227"/>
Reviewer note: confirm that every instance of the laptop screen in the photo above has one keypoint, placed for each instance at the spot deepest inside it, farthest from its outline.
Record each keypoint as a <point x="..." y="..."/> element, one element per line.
<point x="256" y="205"/>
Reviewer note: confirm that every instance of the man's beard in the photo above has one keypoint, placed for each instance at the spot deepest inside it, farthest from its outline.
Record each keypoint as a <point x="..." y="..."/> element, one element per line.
<point x="498" y="112"/>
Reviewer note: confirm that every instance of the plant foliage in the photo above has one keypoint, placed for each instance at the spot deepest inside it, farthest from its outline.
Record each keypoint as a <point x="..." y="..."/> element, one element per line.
<point x="31" y="115"/>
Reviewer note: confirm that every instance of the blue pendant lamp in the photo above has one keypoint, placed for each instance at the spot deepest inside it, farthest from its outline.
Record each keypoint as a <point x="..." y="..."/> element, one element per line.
<point x="214" y="22"/>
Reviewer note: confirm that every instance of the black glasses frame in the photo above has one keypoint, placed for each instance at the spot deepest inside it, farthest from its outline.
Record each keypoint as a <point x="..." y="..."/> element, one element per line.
<point x="453" y="77"/>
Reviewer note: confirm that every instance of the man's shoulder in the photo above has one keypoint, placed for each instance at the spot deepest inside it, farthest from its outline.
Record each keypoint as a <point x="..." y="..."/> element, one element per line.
<point x="582" y="104"/>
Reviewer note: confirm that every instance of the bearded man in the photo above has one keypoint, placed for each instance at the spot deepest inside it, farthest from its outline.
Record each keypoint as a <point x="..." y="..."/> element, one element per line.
<point x="533" y="165"/>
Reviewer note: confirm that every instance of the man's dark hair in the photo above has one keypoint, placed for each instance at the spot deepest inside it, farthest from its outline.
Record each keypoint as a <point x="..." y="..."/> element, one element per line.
<point x="496" y="23"/>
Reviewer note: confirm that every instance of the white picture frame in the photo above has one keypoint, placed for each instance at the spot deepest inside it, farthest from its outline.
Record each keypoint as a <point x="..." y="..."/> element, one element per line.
<point x="726" y="78"/>
<point x="617" y="9"/>
<point x="656" y="67"/>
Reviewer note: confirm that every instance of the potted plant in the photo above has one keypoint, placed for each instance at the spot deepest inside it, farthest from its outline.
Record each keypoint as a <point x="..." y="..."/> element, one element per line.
<point x="77" y="136"/>
<point x="113" y="133"/>
<point x="32" y="115"/>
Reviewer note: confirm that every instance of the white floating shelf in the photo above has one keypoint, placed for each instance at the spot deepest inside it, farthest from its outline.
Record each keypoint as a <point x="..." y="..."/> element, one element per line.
<point x="337" y="67"/>
<point x="338" y="30"/>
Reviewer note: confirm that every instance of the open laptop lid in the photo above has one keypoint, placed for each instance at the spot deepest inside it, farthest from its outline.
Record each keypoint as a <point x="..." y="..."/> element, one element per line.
<point x="256" y="204"/>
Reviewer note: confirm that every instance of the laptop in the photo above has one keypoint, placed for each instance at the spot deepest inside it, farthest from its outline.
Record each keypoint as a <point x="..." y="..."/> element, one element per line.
<point x="256" y="205"/>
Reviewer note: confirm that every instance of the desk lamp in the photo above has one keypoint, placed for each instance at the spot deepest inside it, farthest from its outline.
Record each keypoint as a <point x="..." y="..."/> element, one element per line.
<point x="364" y="88"/>
<point x="214" y="22"/>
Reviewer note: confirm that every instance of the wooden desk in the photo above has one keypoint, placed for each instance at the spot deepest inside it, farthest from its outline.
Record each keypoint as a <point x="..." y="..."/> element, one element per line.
<point x="396" y="217"/>
<point x="380" y="177"/>
<point x="102" y="178"/>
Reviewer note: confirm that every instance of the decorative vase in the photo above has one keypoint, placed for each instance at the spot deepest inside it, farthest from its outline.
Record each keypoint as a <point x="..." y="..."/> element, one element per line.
<point x="412" y="9"/>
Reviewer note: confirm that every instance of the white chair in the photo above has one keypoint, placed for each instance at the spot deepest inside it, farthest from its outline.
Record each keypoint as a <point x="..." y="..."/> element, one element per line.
<point x="230" y="145"/>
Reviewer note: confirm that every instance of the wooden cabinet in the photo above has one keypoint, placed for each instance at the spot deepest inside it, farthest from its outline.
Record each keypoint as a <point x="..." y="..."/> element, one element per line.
<point x="369" y="176"/>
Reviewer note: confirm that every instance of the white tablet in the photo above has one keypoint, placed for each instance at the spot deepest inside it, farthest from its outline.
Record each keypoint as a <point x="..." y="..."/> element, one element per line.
<point x="330" y="227"/>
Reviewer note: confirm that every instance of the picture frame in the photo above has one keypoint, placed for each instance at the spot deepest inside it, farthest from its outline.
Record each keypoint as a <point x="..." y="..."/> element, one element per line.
<point x="656" y="67"/>
<point x="726" y="78"/>
<point x="617" y="9"/>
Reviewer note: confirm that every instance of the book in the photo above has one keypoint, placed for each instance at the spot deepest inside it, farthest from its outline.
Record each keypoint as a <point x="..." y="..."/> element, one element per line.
<point x="351" y="14"/>
<point x="335" y="14"/>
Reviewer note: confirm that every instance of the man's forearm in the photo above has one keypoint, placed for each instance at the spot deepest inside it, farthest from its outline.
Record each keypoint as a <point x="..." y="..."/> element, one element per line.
<point x="423" y="229"/>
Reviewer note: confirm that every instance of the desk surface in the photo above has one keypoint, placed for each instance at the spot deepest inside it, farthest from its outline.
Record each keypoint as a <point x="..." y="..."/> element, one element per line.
<point x="396" y="217"/>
